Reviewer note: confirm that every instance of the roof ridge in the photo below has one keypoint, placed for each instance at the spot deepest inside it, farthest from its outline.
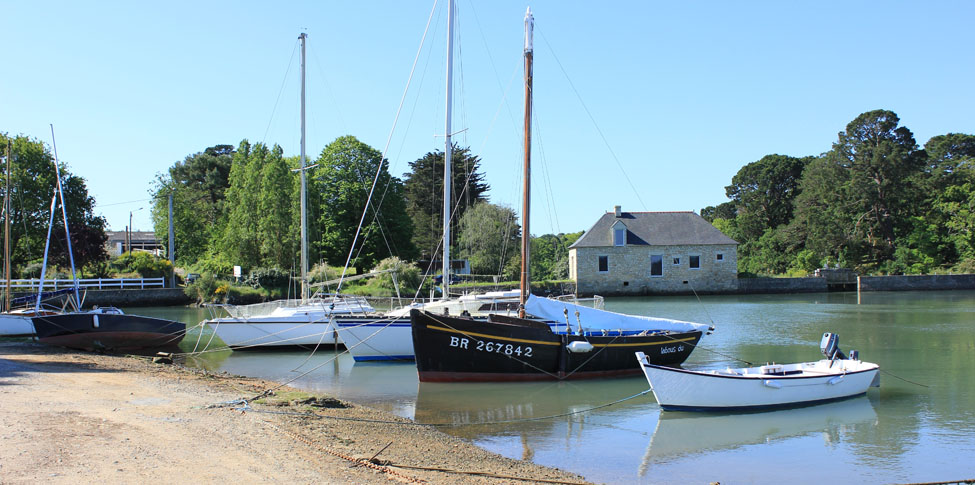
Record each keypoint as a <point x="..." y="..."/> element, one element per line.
<point x="653" y="212"/>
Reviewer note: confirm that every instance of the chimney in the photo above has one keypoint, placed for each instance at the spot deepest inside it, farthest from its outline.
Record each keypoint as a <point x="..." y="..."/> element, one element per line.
<point x="616" y="209"/>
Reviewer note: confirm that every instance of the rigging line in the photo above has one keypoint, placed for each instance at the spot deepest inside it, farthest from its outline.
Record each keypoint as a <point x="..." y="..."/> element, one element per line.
<point x="703" y="306"/>
<point x="121" y="203"/>
<point x="903" y="379"/>
<point x="386" y="147"/>
<point x="593" y="119"/>
<point x="328" y="89"/>
<point x="280" y="91"/>
<point x="497" y="77"/>
<point x="547" y="179"/>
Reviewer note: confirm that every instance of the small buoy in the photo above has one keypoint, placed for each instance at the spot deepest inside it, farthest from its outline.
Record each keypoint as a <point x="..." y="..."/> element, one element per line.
<point x="579" y="347"/>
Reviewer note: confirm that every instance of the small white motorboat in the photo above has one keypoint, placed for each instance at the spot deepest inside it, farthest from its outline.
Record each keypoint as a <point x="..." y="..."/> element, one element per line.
<point x="768" y="386"/>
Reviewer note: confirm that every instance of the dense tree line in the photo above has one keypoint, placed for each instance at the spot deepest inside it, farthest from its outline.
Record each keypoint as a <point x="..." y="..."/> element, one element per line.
<point x="33" y="182"/>
<point x="876" y="202"/>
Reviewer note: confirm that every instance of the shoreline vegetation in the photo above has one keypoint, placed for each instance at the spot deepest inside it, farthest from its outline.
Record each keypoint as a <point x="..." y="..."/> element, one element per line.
<point x="71" y="416"/>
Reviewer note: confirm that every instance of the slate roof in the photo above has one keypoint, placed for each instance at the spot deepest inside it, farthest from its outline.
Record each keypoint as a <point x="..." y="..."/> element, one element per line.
<point x="655" y="229"/>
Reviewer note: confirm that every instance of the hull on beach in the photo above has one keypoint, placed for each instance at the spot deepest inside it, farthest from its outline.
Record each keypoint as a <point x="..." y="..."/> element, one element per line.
<point x="457" y="349"/>
<point x="108" y="331"/>
<point x="15" y="326"/>
<point x="756" y="388"/>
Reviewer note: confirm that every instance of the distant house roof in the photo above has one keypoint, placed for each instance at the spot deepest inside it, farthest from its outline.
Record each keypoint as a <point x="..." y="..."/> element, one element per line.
<point x="655" y="229"/>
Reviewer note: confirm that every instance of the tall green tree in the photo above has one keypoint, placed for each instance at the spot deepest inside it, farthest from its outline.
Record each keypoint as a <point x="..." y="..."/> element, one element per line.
<point x="489" y="236"/>
<point x="240" y="243"/>
<point x="345" y="173"/>
<point x="882" y="158"/>
<point x="197" y="184"/>
<point x="33" y="183"/>
<point x="278" y="236"/>
<point x="424" y="195"/>
<point x="763" y="193"/>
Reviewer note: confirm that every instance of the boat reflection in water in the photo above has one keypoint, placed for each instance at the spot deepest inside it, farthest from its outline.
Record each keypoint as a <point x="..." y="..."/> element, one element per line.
<point x="539" y="416"/>
<point x="684" y="434"/>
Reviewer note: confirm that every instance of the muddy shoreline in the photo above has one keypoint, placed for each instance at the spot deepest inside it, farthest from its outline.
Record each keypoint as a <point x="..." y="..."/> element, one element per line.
<point x="70" y="417"/>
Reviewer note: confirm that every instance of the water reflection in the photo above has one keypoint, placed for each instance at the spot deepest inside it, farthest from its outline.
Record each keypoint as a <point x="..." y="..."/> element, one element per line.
<point x="683" y="435"/>
<point x="903" y="432"/>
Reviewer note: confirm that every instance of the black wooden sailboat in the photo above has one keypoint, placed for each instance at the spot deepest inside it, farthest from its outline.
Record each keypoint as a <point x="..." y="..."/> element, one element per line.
<point x="599" y="344"/>
<point x="462" y="349"/>
<point x="108" y="329"/>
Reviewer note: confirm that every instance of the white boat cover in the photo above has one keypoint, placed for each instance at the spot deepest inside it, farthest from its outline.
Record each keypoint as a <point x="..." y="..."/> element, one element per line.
<point x="593" y="319"/>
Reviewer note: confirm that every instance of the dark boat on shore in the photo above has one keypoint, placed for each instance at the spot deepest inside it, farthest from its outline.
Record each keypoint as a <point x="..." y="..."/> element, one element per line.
<point x="462" y="349"/>
<point x="108" y="329"/>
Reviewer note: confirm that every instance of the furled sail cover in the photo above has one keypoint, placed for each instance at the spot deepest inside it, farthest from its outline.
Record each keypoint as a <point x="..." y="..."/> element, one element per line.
<point x="593" y="319"/>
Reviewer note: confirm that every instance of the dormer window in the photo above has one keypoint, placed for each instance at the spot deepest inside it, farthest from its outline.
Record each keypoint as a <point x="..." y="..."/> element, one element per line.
<point x="619" y="234"/>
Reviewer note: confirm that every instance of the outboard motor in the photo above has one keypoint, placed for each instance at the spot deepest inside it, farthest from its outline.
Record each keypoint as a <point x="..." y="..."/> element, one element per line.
<point x="830" y="345"/>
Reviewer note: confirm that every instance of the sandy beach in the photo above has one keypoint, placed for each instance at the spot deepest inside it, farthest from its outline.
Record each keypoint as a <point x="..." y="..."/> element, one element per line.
<point x="78" y="417"/>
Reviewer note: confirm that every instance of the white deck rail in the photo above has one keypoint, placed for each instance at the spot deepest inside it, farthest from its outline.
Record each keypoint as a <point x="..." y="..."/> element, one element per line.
<point x="90" y="284"/>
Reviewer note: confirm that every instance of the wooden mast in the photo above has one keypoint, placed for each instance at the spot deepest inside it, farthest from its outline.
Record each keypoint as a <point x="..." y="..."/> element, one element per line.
<point x="447" y="152"/>
<point x="526" y="188"/>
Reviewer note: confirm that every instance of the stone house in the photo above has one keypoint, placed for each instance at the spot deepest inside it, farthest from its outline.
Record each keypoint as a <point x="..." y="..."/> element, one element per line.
<point x="641" y="253"/>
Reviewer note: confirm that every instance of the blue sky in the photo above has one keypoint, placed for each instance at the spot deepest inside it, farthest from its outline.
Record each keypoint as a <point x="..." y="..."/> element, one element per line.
<point x="649" y="105"/>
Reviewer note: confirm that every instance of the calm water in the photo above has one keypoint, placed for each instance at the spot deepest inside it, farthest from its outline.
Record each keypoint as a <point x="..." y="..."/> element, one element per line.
<point x="901" y="432"/>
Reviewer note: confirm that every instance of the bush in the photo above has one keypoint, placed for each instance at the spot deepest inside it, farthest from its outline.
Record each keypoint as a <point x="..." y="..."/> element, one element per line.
<point x="270" y="278"/>
<point x="204" y="289"/>
<point x="213" y="264"/>
<point x="407" y="275"/>
<point x="144" y="264"/>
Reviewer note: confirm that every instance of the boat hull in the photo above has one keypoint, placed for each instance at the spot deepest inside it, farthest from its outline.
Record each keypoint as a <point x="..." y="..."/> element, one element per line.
<point x="456" y="349"/>
<point x="15" y="326"/>
<point x="376" y="338"/>
<point x="263" y="333"/>
<point x="685" y="390"/>
<point x="108" y="331"/>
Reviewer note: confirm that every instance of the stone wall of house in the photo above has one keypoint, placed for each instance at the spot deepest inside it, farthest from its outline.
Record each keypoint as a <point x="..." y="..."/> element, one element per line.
<point x="628" y="270"/>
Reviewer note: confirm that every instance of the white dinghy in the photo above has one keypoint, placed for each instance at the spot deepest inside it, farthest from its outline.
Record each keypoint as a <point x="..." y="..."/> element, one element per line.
<point x="768" y="386"/>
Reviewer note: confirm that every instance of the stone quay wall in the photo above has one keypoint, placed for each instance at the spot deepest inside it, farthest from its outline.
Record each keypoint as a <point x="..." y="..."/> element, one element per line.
<point x="917" y="282"/>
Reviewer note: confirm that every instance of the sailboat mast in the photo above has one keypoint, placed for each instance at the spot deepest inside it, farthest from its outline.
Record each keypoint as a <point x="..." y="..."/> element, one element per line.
<point x="6" y="234"/>
<point x="304" y="219"/>
<point x="526" y="188"/>
<point x="447" y="155"/>
<point x="64" y="214"/>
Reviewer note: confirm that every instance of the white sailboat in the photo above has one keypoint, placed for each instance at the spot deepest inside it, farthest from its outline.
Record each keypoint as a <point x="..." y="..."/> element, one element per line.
<point x="11" y="324"/>
<point x="286" y="323"/>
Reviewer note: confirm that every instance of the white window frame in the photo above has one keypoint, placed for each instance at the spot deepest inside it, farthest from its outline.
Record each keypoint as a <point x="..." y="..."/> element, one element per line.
<point x="619" y="234"/>
<point x="719" y="257"/>
<point x="689" y="260"/>
<point x="676" y="260"/>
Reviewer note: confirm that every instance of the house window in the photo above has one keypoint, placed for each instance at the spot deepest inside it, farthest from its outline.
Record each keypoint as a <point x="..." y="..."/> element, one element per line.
<point x="604" y="264"/>
<point x="719" y="257"/>
<point x="619" y="235"/>
<point x="694" y="262"/>
<point x="656" y="265"/>
<point x="676" y="260"/>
